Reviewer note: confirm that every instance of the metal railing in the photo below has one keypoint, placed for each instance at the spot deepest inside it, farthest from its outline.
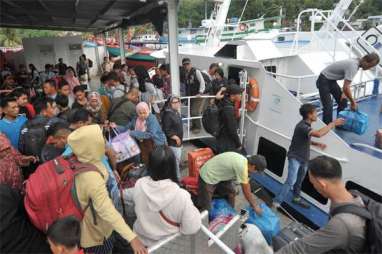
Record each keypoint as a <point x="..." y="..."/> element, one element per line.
<point x="328" y="32"/>
<point x="356" y="87"/>
<point x="204" y="241"/>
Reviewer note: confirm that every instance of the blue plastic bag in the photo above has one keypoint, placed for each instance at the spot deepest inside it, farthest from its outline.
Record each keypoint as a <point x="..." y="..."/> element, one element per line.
<point x="268" y="222"/>
<point x="220" y="207"/>
<point x="355" y="121"/>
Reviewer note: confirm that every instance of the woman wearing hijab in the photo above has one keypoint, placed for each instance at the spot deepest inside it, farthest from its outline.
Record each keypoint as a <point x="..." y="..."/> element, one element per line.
<point x="71" y="78"/>
<point x="95" y="107"/>
<point x="147" y="130"/>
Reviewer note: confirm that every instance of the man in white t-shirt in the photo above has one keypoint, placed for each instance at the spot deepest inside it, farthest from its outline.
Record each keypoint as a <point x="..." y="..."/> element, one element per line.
<point x="341" y="70"/>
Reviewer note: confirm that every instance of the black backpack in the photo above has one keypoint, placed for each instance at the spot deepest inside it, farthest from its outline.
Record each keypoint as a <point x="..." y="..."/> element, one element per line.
<point x="372" y="212"/>
<point x="33" y="136"/>
<point x="211" y="120"/>
<point x="207" y="82"/>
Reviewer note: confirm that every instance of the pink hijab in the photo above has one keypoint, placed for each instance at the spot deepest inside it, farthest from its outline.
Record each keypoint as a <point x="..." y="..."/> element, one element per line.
<point x="140" y="125"/>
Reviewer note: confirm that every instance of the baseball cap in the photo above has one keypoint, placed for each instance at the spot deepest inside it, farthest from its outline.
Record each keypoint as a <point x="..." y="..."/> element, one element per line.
<point x="234" y="89"/>
<point x="259" y="161"/>
<point x="186" y="61"/>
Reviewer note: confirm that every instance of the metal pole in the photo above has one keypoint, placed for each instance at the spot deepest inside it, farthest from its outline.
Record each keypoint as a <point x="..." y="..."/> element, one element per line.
<point x="121" y="45"/>
<point x="298" y="88"/>
<point x="218" y="242"/>
<point x="243" y="83"/>
<point x="104" y="41"/>
<point x="98" y="60"/>
<point x="173" y="45"/>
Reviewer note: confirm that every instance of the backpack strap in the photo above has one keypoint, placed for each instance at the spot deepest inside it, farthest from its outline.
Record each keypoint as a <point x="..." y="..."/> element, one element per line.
<point x="80" y="168"/>
<point x="117" y="106"/>
<point x="173" y="223"/>
<point x="352" y="209"/>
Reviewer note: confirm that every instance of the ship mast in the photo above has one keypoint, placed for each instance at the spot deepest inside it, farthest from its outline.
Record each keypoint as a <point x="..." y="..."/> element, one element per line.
<point x="218" y="19"/>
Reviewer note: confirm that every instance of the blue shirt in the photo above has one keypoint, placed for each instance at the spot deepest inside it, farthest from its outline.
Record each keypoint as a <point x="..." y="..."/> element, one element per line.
<point x="12" y="129"/>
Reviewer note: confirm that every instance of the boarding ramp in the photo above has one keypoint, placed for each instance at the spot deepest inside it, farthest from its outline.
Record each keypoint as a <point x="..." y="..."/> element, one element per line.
<point x="204" y="241"/>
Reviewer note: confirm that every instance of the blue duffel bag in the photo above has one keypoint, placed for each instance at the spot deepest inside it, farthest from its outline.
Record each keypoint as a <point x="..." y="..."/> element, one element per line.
<point x="355" y="121"/>
<point x="268" y="222"/>
<point x="220" y="207"/>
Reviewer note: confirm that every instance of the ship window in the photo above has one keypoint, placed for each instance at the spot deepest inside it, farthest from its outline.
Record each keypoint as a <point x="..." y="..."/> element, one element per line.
<point x="308" y="188"/>
<point x="354" y="186"/>
<point x="281" y="38"/>
<point x="270" y="68"/>
<point x="228" y="51"/>
<point x="274" y="154"/>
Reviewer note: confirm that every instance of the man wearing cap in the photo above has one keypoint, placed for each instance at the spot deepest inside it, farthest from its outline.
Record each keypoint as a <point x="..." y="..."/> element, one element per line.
<point x="228" y="138"/>
<point x="218" y="174"/>
<point x="194" y="83"/>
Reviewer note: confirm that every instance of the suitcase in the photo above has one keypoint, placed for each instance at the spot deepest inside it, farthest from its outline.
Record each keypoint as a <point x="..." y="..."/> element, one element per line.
<point x="290" y="233"/>
<point x="355" y="121"/>
<point x="197" y="158"/>
<point x="191" y="184"/>
<point x="378" y="139"/>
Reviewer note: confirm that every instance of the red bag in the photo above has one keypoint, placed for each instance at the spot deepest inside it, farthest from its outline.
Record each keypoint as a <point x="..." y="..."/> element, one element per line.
<point x="191" y="184"/>
<point x="51" y="192"/>
<point x="197" y="158"/>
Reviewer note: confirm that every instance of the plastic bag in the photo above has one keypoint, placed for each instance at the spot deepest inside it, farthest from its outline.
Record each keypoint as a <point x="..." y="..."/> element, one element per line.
<point x="268" y="222"/>
<point x="219" y="223"/>
<point x="355" y="121"/>
<point x="124" y="146"/>
<point x="220" y="207"/>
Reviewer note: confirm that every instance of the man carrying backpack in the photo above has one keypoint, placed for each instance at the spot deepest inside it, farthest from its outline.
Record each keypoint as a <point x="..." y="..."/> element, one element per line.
<point x="33" y="134"/>
<point x="195" y="86"/>
<point x="345" y="232"/>
<point x="228" y="139"/>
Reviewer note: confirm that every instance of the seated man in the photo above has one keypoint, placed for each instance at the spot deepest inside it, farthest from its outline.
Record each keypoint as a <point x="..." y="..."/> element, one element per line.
<point x="218" y="174"/>
<point x="345" y="232"/>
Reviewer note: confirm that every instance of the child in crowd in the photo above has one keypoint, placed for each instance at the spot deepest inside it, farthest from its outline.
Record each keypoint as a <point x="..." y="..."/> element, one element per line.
<point x="64" y="236"/>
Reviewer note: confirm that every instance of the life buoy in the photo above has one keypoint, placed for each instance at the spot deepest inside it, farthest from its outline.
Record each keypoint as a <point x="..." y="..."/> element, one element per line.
<point x="243" y="27"/>
<point x="253" y="96"/>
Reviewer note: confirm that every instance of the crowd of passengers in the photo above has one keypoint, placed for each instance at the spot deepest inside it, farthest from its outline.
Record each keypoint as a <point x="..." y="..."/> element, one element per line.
<point x="77" y="119"/>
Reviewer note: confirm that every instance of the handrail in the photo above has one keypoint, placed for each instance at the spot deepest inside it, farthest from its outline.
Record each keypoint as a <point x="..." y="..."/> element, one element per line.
<point x="218" y="242"/>
<point x="289" y="138"/>
<point x="291" y="76"/>
<point x="368" y="147"/>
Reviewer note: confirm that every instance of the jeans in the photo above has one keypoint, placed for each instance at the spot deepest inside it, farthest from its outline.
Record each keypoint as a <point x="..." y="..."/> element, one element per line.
<point x="296" y="174"/>
<point x="178" y="156"/>
<point x="326" y="88"/>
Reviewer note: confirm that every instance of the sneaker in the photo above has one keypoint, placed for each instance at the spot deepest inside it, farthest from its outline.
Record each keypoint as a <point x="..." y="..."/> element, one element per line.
<point x="300" y="202"/>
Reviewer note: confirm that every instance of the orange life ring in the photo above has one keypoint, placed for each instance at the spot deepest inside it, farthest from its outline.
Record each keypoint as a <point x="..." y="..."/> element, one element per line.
<point x="253" y="95"/>
<point x="243" y="27"/>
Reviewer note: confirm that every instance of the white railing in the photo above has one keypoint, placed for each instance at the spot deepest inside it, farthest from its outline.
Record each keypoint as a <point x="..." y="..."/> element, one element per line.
<point x="290" y="138"/>
<point x="298" y="78"/>
<point x="204" y="241"/>
<point x="375" y="149"/>
<point x="356" y="87"/>
<point x="328" y="32"/>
